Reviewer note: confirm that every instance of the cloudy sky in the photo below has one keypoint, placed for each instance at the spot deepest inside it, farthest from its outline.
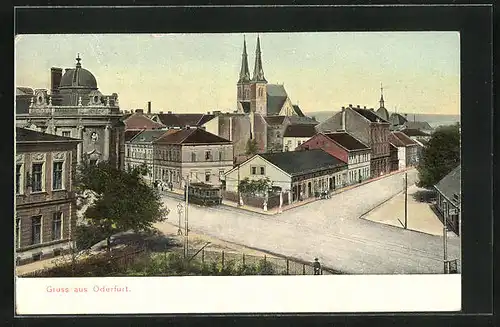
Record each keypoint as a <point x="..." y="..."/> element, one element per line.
<point x="420" y="71"/>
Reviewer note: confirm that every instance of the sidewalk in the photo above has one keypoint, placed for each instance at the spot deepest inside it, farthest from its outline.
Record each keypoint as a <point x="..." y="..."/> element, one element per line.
<point x="275" y="211"/>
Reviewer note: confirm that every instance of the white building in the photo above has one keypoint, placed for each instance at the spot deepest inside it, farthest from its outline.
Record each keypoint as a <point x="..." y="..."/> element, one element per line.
<point x="295" y="135"/>
<point x="191" y="153"/>
<point x="139" y="150"/>
<point x="299" y="174"/>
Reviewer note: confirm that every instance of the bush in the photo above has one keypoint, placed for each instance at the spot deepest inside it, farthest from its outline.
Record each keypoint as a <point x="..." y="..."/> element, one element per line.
<point x="87" y="235"/>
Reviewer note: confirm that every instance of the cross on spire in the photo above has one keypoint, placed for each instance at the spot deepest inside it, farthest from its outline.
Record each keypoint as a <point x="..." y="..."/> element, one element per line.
<point x="244" y="73"/>
<point x="78" y="59"/>
<point x="258" y="72"/>
<point x="381" y="96"/>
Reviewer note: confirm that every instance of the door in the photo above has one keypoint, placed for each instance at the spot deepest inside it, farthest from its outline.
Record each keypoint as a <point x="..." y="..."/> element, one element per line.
<point x="309" y="189"/>
<point x="334" y="183"/>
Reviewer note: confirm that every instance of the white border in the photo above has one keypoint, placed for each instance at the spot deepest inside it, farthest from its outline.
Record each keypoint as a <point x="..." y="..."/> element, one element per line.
<point x="242" y="294"/>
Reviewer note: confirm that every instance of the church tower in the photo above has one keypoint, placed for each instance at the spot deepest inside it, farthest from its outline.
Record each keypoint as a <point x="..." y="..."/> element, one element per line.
<point x="244" y="83"/>
<point x="259" y="82"/>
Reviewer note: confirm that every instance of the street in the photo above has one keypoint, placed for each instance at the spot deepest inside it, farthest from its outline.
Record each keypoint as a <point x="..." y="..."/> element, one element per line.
<point x="330" y="230"/>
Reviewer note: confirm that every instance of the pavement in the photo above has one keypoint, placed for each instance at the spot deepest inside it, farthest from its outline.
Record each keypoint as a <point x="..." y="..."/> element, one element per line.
<point x="330" y="229"/>
<point x="421" y="217"/>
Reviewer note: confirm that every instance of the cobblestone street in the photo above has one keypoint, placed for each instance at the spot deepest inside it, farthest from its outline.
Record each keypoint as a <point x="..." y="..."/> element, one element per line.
<point x="330" y="230"/>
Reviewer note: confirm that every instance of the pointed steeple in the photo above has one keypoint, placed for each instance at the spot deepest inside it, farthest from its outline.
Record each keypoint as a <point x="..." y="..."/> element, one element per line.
<point x="244" y="72"/>
<point x="258" y="71"/>
<point x="381" y="96"/>
<point x="78" y="59"/>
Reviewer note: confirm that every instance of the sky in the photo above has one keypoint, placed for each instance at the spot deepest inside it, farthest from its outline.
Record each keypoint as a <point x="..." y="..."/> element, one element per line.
<point x="189" y="73"/>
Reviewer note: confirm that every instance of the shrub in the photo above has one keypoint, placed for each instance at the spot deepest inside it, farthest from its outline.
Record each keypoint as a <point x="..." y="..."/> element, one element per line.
<point x="87" y="235"/>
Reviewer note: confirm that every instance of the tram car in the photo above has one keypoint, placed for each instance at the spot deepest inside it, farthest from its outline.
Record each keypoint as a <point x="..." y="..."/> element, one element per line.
<point x="204" y="194"/>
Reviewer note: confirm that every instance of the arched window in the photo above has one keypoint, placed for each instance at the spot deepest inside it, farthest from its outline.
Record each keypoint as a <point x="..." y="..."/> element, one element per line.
<point x="246" y="94"/>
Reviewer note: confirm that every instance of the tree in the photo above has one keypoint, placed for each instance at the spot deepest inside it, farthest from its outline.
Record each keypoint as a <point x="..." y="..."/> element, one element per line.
<point x="259" y="186"/>
<point x="440" y="155"/>
<point x="252" y="146"/>
<point x="121" y="200"/>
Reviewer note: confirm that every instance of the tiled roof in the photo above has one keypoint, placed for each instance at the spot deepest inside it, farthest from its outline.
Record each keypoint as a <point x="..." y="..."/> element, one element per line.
<point x="303" y="162"/>
<point x="125" y="117"/>
<point x="394" y="140"/>
<point x="128" y="135"/>
<point x="300" y="130"/>
<point x="347" y="141"/>
<point x="450" y="184"/>
<point x="383" y="113"/>
<point x="414" y="132"/>
<point x="422" y="125"/>
<point x="301" y="120"/>
<point x="370" y="115"/>
<point x="139" y="121"/>
<point x="190" y="136"/>
<point x="397" y="119"/>
<point x="24" y="91"/>
<point x="276" y="97"/>
<point x="298" y="110"/>
<point x="274" y="120"/>
<point x="147" y="136"/>
<point x="27" y="135"/>
<point x="404" y="138"/>
<point x="183" y="120"/>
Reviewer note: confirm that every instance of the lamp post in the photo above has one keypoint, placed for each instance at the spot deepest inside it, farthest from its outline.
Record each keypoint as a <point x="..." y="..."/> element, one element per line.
<point x="186" y="227"/>
<point x="238" y="186"/>
<point x="406" y="199"/>
<point x="179" y="211"/>
<point x="445" y="238"/>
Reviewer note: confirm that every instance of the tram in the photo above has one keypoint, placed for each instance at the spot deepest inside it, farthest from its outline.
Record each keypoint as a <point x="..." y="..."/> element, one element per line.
<point x="204" y="194"/>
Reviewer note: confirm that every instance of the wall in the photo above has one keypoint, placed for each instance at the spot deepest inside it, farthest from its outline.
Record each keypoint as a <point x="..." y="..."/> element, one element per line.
<point x="240" y="130"/>
<point x="320" y="141"/>
<point x="401" y="158"/>
<point x="277" y="176"/>
<point x="260" y="132"/>
<point x="293" y="142"/>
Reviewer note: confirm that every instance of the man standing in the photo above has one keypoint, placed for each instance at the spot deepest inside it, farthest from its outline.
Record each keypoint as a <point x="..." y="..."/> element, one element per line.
<point x="317" y="267"/>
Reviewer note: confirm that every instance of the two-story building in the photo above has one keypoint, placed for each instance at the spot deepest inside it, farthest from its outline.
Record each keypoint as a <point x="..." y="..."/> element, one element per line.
<point x="298" y="174"/>
<point x="45" y="203"/>
<point x="295" y="135"/>
<point x="369" y="128"/>
<point x="449" y="199"/>
<point x="398" y="152"/>
<point x="347" y="148"/>
<point x="139" y="150"/>
<point x="191" y="153"/>
<point x="408" y="150"/>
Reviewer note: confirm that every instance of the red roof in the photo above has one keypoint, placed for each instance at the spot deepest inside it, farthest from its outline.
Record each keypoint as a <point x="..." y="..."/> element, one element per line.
<point x="404" y="139"/>
<point x="138" y="121"/>
<point x="190" y="136"/>
<point x="394" y="140"/>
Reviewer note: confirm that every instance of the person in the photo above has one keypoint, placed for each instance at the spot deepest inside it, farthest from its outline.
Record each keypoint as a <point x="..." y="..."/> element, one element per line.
<point x="317" y="267"/>
<point x="171" y="186"/>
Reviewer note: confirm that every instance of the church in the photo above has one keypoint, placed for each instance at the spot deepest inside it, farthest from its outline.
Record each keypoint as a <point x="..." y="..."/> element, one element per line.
<point x="75" y="107"/>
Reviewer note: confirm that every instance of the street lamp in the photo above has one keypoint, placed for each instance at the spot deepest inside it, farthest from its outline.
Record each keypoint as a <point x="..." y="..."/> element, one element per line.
<point x="179" y="211"/>
<point x="405" y="225"/>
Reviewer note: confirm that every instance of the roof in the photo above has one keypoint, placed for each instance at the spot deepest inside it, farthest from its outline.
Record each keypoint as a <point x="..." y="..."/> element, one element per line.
<point x="404" y="139"/>
<point x="299" y="130"/>
<point x="302" y="120"/>
<point x="147" y="136"/>
<point x="276" y="97"/>
<point x="397" y="119"/>
<point x="370" y="115"/>
<point x="298" y="110"/>
<point x="140" y="121"/>
<point x="301" y="162"/>
<point x="128" y="135"/>
<point x="422" y="125"/>
<point x="190" y="136"/>
<point x="24" y="91"/>
<point x="274" y="120"/>
<point x="183" y="120"/>
<point x="414" y="132"/>
<point x="395" y="141"/>
<point x="78" y="77"/>
<point x="347" y="141"/>
<point x="383" y="113"/>
<point x="450" y="184"/>
<point x="24" y="135"/>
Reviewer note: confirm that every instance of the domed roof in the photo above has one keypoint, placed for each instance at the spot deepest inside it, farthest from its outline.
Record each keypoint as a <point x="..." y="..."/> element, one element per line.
<point x="78" y="77"/>
<point x="383" y="113"/>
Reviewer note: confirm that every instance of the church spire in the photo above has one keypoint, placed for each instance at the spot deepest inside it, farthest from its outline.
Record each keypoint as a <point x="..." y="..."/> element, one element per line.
<point x="78" y="59"/>
<point x="258" y="71"/>
<point x="244" y="72"/>
<point x="381" y="96"/>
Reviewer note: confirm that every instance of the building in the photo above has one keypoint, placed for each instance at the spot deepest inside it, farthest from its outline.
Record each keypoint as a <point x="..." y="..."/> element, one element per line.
<point x="418" y="125"/>
<point x="449" y="198"/>
<point x="366" y="126"/>
<point x="137" y="122"/>
<point x="346" y="148"/>
<point x="173" y="120"/>
<point x="397" y="121"/>
<point x="139" y="150"/>
<point x="75" y="107"/>
<point x="298" y="174"/>
<point x="416" y="135"/>
<point x="382" y="111"/>
<point x="398" y="153"/>
<point x="45" y="202"/>
<point x="295" y="135"/>
<point x="412" y="149"/>
<point x="191" y="153"/>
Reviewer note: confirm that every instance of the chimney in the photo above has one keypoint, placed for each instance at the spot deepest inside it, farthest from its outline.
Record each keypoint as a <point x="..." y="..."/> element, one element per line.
<point x="139" y="111"/>
<point x="358" y="106"/>
<point x="208" y="112"/>
<point x="161" y="112"/>
<point x="149" y="107"/>
<point x="343" y="119"/>
<point x="55" y="79"/>
<point x="169" y="112"/>
<point x="364" y="107"/>
<point x="350" y="105"/>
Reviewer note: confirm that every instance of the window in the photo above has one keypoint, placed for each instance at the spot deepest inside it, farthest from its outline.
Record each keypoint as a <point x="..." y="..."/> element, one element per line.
<point x="254" y="170"/>
<point x="220" y="155"/>
<point x="221" y="175"/>
<point x="57" y="226"/>
<point x="18" y="232"/>
<point x="57" y="175"/>
<point x="93" y="162"/>
<point x="207" y="176"/>
<point x="193" y="156"/>
<point x="37" y="177"/>
<point x="208" y="155"/>
<point x="18" y="178"/>
<point x="66" y="133"/>
<point x="262" y="171"/>
<point x="36" y="230"/>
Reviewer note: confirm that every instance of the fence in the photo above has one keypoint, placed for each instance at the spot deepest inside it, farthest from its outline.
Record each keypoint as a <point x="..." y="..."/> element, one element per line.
<point x="273" y="201"/>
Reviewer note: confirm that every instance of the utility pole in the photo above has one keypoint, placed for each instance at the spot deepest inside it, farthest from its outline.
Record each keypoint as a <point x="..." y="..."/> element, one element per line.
<point x="238" y="186"/>
<point x="406" y="199"/>
<point x="186" y="227"/>
<point x="445" y="246"/>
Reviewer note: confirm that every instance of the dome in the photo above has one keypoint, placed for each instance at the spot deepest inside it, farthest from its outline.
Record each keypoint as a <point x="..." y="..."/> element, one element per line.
<point x="383" y="113"/>
<point x="78" y="77"/>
